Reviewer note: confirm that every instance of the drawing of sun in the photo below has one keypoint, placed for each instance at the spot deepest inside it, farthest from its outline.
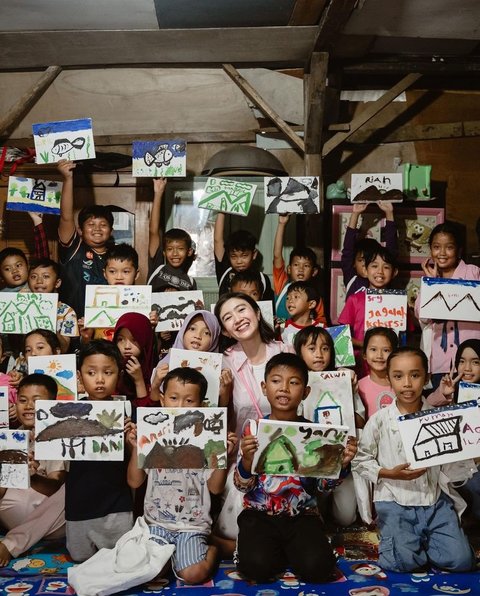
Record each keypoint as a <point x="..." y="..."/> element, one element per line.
<point x="54" y="366"/>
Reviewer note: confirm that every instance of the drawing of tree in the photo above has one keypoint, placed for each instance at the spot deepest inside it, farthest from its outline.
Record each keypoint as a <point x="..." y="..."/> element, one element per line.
<point x="23" y="192"/>
<point x="13" y="188"/>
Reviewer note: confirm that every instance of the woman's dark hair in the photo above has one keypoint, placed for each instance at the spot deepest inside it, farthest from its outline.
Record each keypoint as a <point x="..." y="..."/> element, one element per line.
<point x="311" y="334"/>
<point x="49" y="336"/>
<point x="451" y="229"/>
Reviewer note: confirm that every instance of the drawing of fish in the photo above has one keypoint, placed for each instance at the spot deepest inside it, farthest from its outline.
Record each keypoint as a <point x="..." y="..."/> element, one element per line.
<point x="62" y="146"/>
<point x="162" y="157"/>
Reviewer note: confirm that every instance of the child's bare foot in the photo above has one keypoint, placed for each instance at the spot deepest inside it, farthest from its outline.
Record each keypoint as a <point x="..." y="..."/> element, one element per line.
<point x="5" y="556"/>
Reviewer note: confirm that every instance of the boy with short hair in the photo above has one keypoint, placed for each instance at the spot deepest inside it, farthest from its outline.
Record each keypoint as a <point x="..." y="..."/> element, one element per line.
<point x="37" y="512"/>
<point x="280" y="525"/>
<point x="177" y="502"/>
<point x="247" y="282"/>
<point x="416" y="509"/>
<point x="98" y="500"/>
<point x="302" y="267"/>
<point x="170" y="256"/>
<point x="302" y="302"/>
<point x="82" y="250"/>
<point x="13" y="269"/>
<point x="235" y="254"/>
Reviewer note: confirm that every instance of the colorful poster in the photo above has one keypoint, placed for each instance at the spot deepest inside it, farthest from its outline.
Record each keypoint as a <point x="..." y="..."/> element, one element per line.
<point x="331" y="399"/>
<point x="468" y="392"/>
<point x="182" y="438"/>
<point x="450" y="299"/>
<point x="156" y="159"/>
<point x="208" y="363"/>
<point x="66" y="139"/>
<point x="292" y="195"/>
<point x="104" y="305"/>
<point x="386" y="308"/>
<point x="4" y="407"/>
<point x="62" y="368"/>
<point x="30" y="194"/>
<point x="441" y="435"/>
<point x="14" y="459"/>
<point x="299" y="448"/>
<point x="342" y="341"/>
<point x="371" y="188"/>
<point x="173" y="307"/>
<point x="79" y="430"/>
<point x="228" y="196"/>
<point x="22" y="312"/>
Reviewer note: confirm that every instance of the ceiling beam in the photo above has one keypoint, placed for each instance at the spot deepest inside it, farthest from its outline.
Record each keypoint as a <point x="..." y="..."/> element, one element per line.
<point x="446" y="66"/>
<point x="369" y="112"/>
<point x="307" y="12"/>
<point x="332" y="23"/>
<point x="288" y="46"/>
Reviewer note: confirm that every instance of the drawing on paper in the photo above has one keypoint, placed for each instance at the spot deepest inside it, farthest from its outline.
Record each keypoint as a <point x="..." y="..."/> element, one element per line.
<point x="104" y="305"/>
<point x="466" y="392"/>
<point x="67" y="139"/>
<point x="79" y="430"/>
<point x="342" y="341"/>
<point x="228" y="196"/>
<point x="292" y="195"/>
<point x="371" y="188"/>
<point x="441" y="435"/>
<point x="208" y="363"/>
<point x="182" y="438"/>
<point x="450" y="299"/>
<point x="154" y="159"/>
<point x="22" y="312"/>
<point x="386" y="308"/>
<point x="4" y="407"/>
<point x="330" y="400"/>
<point x="299" y="448"/>
<point x="173" y="307"/>
<point x="62" y="368"/>
<point x="14" y="459"/>
<point x="29" y="194"/>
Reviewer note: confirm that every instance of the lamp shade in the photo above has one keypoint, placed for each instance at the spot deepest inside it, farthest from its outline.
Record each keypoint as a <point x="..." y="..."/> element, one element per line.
<point x="243" y="159"/>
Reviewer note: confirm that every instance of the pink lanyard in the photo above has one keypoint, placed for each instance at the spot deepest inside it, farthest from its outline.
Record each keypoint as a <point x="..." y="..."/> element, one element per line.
<point x="251" y="395"/>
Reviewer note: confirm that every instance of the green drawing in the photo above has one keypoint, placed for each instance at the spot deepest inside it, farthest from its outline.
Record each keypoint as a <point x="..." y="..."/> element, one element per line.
<point x="44" y="155"/>
<point x="13" y="189"/>
<point x="279" y="456"/>
<point x="109" y="419"/>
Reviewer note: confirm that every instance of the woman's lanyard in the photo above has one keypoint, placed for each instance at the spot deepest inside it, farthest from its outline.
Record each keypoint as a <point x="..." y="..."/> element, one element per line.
<point x="251" y="394"/>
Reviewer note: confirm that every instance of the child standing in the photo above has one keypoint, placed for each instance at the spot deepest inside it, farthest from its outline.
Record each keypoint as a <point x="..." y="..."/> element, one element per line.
<point x="302" y="306"/>
<point x="177" y="506"/>
<point x="98" y="501"/>
<point x="374" y="388"/>
<point x="279" y="525"/>
<point x="247" y="282"/>
<point x="414" y="507"/>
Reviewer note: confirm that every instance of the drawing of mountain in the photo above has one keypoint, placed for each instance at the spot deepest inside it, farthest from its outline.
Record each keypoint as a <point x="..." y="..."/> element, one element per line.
<point x="466" y="308"/>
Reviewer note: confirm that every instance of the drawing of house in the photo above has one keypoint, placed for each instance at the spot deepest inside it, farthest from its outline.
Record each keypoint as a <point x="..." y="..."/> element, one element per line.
<point x="38" y="191"/>
<point x="438" y="438"/>
<point x="106" y="296"/>
<point x="278" y="457"/>
<point x="328" y="410"/>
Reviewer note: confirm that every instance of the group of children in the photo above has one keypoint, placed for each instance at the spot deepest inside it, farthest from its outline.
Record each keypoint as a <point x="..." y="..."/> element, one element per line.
<point x="270" y="521"/>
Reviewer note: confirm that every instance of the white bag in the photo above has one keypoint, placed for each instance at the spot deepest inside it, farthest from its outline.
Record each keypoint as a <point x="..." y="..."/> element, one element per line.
<point x="134" y="560"/>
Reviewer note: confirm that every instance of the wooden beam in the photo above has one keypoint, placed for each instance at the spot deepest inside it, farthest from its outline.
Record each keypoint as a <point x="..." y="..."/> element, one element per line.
<point x="307" y="12"/>
<point x="262" y="105"/>
<point x="282" y="46"/>
<point x="28" y="100"/>
<point x="332" y="23"/>
<point x="369" y="112"/>
<point x="315" y="86"/>
<point x="449" y="67"/>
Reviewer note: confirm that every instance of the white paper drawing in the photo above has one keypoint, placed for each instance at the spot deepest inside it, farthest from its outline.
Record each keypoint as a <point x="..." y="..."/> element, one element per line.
<point x="29" y="194"/>
<point x="14" y="459"/>
<point x="386" y="308"/>
<point x="227" y="196"/>
<point x="154" y="159"/>
<point x="292" y="195"/>
<point x="104" y="305"/>
<point x="66" y="139"/>
<point x="22" y="312"/>
<point x="62" y="368"/>
<point x="4" y="407"/>
<point x="173" y="307"/>
<point x="342" y="341"/>
<point x="182" y="438"/>
<point x="79" y="430"/>
<point x="450" y="299"/>
<point x="441" y="435"/>
<point x="468" y="392"/>
<point x="208" y="363"/>
<point x="299" y="449"/>
<point x="371" y="188"/>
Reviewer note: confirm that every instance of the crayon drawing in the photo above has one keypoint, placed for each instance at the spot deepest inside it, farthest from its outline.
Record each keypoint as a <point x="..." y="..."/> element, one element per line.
<point x="30" y="194"/>
<point x="182" y="438"/>
<point x="104" y="305"/>
<point x="342" y="341"/>
<point x="371" y="188"/>
<point x="228" y="196"/>
<point x="468" y="392"/>
<point x="330" y="400"/>
<point x="21" y="312"/>
<point x="154" y="159"/>
<point x="79" y="430"/>
<point x="62" y="368"/>
<point x="386" y="308"/>
<point x="299" y="448"/>
<point x="441" y="435"/>
<point x="450" y="299"/>
<point x="292" y="195"/>
<point x="208" y="363"/>
<point x="4" y="407"/>
<point x="14" y="459"/>
<point x="173" y="307"/>
<point x="67" y="139"/>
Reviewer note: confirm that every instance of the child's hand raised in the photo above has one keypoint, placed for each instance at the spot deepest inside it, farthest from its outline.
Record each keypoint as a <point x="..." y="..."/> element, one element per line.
<point x="159" y="185"/>
<point x="153" y="316"/>
<point x="130" y="433"/>
<point x="447" y="385"/>
<point x="134" y="368"/>
<point x="15" y="378"/>
<point x="350" y="451"/>
<point x="226" y="382"/>
<point x="231" y="442"/>
<point x="283" y="219"/>
<point x="248" y="446"/>
<point x="386" y="207"/>
<point x="36" y="218"/>
<point x="359" y="207"/>
<point x="401" y="472"/>
<point x="430" y="268"/>
<point x="66" y="167"/>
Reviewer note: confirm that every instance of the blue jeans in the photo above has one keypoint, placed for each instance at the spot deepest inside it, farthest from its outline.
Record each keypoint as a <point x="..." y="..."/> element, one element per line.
<point x="413" y="537"/>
